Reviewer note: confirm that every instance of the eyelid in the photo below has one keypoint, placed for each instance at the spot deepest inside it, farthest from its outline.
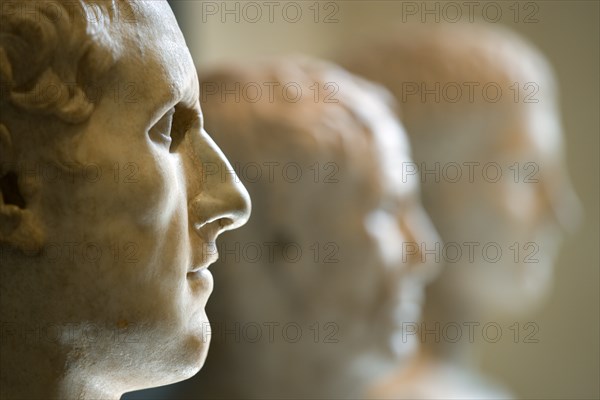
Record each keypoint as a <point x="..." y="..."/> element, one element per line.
<point x="170" y="112"/>
<point x="157" y="118"/>
<point x="168" y="116"/>
<point x="161" y="130"/>
<point x="185" y="119"/>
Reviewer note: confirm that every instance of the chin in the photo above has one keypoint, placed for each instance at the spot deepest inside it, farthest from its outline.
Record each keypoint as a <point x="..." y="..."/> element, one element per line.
<point x="178" y="364"/>
<point x="196" y="345"/>
<point x="369" y="367"/>
<point x="187" y="363"/>
<point x="533" y="292"/>
<point x="523" y="293"/>
<point x="188" y="354"/>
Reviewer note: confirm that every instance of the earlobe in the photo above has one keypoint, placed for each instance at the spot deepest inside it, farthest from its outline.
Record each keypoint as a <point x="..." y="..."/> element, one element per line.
<point x="18" y="226"/>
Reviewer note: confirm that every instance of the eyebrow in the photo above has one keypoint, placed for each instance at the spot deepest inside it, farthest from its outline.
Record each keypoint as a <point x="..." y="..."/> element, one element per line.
<point x="185" y="117"/>
<point x="188" y="91"/>
<point x="182" y="100"/>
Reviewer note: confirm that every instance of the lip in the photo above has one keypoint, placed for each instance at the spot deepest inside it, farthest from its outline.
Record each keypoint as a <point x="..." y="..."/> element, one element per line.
<point x="210" y="256"/>
<point x="197" y="273"/>
<point x="201" y="284"/>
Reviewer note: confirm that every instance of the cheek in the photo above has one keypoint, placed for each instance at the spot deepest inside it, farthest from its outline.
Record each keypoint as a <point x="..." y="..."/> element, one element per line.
<point x="141" y="217"/>
<point x="148" y="189"/>
<point x="128" y="175"/>
<point x="470" y="212"/>
<point x="158" y="212"/>
<point x="390" y="235"/>
<point x="156" y="189"/>
<point x="356" y="273"/>
<point x="520" y="201"/>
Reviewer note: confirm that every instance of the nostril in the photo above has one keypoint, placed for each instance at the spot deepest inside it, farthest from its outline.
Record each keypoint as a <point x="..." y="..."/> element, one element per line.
<point x="224" y="223"/>
<point x="234" y="219"/>
<point x="223" y="206"/>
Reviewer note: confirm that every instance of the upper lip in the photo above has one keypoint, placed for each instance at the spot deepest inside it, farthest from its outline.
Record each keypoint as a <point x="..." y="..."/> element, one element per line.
<point x="208" y="253"/>
<point x="206" y="258"/>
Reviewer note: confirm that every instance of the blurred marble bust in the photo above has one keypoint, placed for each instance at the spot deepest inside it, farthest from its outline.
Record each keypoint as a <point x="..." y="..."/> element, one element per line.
<point x="105" y="213"/>
<point x="481" y="108"/>
<point x="312" y="292"/>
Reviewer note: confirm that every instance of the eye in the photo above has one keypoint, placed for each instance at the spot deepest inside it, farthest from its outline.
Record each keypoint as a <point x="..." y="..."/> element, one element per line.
<point x="185" y="119"/>
<point x="161" y="131"/>
<point x="391" y="205"/>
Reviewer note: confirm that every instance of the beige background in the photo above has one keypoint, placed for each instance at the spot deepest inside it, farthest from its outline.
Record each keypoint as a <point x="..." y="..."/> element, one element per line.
<point x="565" y="362"/>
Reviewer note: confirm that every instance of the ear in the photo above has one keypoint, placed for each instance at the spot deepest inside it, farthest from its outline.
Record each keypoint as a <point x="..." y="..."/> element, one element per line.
<point x="19" y="228"/>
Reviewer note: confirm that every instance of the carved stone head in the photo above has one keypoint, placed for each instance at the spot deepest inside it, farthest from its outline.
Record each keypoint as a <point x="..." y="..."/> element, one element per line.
<point x="106" y="211"/>
<point x="481" y="107"/>
<point x="321" y="269"/>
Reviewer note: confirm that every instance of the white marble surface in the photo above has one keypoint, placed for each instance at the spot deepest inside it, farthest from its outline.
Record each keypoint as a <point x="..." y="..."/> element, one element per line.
<point x="106" y="213"/>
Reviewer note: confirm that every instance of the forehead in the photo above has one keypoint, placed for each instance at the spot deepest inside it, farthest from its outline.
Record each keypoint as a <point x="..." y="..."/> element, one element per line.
<point x="392" y="147"/>
<point x="536" y="132"/>
<point x="153" y="52"/>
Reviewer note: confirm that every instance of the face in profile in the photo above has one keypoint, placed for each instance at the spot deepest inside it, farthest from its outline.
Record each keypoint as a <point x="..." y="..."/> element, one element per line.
<point x="137" y="214"/>
<point x="530" y="208"/>
<point x="503" y="211"/>
<point x="330" y="222"/>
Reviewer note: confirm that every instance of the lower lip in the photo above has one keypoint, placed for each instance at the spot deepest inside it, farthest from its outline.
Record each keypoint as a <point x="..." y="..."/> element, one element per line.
<point x="201" y="280"/>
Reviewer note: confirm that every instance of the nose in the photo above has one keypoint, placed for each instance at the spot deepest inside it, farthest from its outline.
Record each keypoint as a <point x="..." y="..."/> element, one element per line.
<point x="221" y="198"/>
<point x="418" y="228"/>
<point x="561" y="202"/>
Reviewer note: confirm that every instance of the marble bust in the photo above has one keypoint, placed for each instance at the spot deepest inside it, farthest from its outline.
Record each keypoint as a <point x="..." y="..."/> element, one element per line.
<point x="105" y="213"/>
<point x="478" y="97"/>
<point x="318" y="312"/>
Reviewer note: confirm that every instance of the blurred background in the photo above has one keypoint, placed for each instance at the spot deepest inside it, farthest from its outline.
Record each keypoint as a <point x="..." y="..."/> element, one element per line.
<point x="565" y="363"/>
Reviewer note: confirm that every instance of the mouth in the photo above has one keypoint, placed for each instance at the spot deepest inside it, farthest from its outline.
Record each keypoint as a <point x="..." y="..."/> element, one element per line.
<point x="200" y="282"/>
<point x="198" y="273"/>
<point x="210" y="255"/>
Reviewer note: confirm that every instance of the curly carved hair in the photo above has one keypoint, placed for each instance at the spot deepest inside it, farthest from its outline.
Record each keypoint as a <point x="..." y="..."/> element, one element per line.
<point x="51" y="54"/>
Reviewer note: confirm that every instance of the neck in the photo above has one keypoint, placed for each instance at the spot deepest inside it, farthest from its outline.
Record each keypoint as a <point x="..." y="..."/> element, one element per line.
<point x="42" y="356"/>
<point x="32" y="366"/>
<point x="306" y="370"/>
<point x="445" y="316"/>
<point x="27" y="371"/>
